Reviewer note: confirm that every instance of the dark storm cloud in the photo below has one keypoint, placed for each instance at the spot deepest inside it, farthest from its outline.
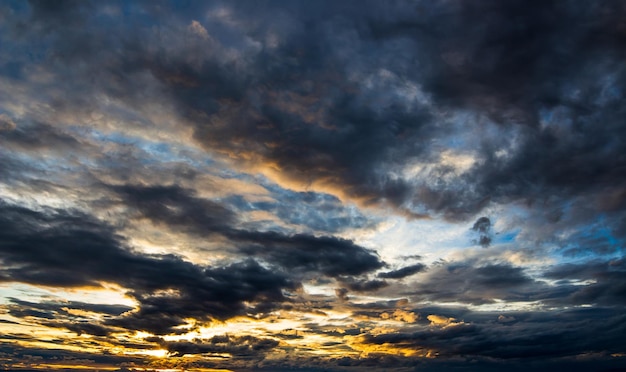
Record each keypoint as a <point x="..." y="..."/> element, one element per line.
<point x="474" y="283"/>
<point x="59" y="315"/>
<point x="177" y="207"/>
<point x="238" y="289"/>
<point x="607" y="287"/>
<point x="173" y="206"/>
<point x="344" y="98"/>
<point x="596" y="282"/>
<point x="327" y="255"/>
<point x="506" y="70"/>
<point x="62" y="307"/>
<point x="501" y="57"/>
<point x="547" y="74"/>
<point x="362" y="285"/>
<point x="483" y="227"/>
<point x="11" y="352"/>
<point x="205" y="88"/>
<point x="67" y="249"/>
<point x="38" y="136"/>
<point x="61" y="248"/>
<point x="550" y="62"/>
<point x="239" y="346"/>
<point x="83" y="327"/>
<point x="402" y="272"/>
<point x="345" y="153"/>
<point x="539" y="336"/>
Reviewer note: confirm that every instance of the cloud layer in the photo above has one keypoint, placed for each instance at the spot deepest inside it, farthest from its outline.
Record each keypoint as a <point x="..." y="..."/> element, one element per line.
<point x="300" y="185"/>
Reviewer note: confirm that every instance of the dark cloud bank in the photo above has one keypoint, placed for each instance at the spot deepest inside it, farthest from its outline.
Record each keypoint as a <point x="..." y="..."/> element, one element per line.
<point x="542" y="80"/>
<point x="70" y="249"/>
<point x="349" y="95"/>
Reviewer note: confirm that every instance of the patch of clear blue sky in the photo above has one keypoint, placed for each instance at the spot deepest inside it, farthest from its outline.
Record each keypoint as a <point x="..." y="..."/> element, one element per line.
<point x="506" y="237"/>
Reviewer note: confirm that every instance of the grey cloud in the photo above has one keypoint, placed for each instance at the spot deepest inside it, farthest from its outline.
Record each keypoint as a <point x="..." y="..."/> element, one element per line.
<point x="239" y="346"/>
<point x="483" y="227"/>
<point x="300" y="104"/>
<point x="12" y="351"/>
<point x="473" y="283"/>
<point x="346" y="96"/>
<point x="402" y="272"/>
<point x="328" y="255"/>
<point x="67" y="249"/>
<point x="83" y="327"/>
<point x="363" y="285"/>
<point x="607" y="287"/>
<point x="596" y="282"/>
<point x="61" y="307"/>
<point x="38" y="137"/>
<point x="510" y="78"/>
<point x="177" y="207"/>
<point x="540" y="339"/>
<point x="6" y="123"/>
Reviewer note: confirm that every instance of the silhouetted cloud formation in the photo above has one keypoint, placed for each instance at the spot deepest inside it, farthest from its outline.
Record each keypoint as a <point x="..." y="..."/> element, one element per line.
<point x="473" y="282"/>
<point x="402" y="272"/>
<point x="535" y="339"/>
<point x="241" y="346"/>
<point x="175" y="207"/>
<point x="70" y="249"/>
<point x="483" y="227"/>
<point x="284" y="185"/>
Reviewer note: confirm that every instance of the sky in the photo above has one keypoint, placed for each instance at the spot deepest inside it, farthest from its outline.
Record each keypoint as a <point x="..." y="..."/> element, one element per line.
<point x="417" y="185"/>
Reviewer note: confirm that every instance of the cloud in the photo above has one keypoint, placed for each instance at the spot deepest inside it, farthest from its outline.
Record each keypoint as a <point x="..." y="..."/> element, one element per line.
<point x="475" y="283"/>
<point x="330" y="108"/>
<point x="350" y="144"/>
<point x="196" y="28"/>
<point x="270" y="140"/>
<point x="538" y="338"/>
<point x="6" y="123"/>
<point x="238" y="346"/>
<point x="483" y="227"/>
<point x="70" y="249"/>
<point x="402" y="272"/>
<point x="605" y="282"/>
<point x="175" y="207"/>
<point x="401" y="316"/>
<point x="83" y="327"/>
<point x="327" y="255"/>
<point x="439" y="320"/>
<point x="38" y="137"/>
<point x="363" y="285"/>
<point x="53" y="309"/>
<point x="35" y="355"/>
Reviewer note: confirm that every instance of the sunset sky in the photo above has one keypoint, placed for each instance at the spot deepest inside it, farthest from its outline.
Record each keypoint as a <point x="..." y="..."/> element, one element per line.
<point x="313" y="185"/>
